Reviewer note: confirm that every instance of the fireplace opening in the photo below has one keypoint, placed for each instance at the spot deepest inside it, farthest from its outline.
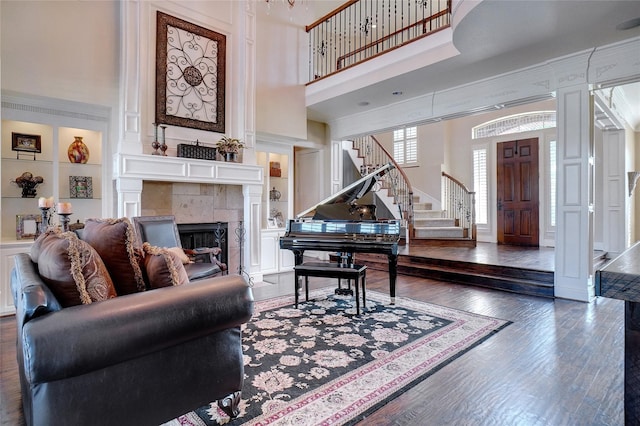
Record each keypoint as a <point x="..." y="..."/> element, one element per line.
<point x="198" y="235"/>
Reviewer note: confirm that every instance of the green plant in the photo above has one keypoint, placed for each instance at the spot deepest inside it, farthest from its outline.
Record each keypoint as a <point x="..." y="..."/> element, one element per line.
<point x="227" y="144"/>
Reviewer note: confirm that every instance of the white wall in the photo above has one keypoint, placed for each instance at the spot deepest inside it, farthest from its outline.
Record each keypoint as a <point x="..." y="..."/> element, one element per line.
<point x="61" y="49"/>
<point x="432" y="141"/>
<point x="281" y="70"/>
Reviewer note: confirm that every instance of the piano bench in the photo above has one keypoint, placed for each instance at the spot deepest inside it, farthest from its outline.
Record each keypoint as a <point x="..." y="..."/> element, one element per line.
<point x="332" y="270"/>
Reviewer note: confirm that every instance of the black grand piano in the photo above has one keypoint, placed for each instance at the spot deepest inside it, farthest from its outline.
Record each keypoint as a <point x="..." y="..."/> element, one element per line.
<point x="339" y="224"/>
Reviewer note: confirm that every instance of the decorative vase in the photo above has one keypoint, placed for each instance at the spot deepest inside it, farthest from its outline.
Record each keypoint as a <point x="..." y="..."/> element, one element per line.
<point x="231" y="157"/>
<point x="78" y="152"/>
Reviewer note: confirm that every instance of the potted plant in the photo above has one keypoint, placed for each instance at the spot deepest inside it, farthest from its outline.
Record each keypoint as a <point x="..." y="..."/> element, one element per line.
<point x="229" y="147"/>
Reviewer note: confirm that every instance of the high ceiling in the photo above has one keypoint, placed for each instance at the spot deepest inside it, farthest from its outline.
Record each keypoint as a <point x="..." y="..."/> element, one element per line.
<point x="496" y="37"/>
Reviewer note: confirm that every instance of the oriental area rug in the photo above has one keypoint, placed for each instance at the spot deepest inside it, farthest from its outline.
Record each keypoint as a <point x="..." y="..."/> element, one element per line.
<point x="321" y="364"/>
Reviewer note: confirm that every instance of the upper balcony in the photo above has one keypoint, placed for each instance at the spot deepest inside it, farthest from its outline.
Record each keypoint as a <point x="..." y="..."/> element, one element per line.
<point x="419" y="62"/>
<point x="365" y="42"/>
<point x="363" y="29"/>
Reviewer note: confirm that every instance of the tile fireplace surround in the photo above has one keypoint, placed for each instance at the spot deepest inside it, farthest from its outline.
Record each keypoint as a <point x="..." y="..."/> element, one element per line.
<point x="194" y="191"/>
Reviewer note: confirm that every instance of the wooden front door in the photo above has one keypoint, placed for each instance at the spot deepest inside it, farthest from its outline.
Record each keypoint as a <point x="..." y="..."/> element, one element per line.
<point x="518" y="205"/>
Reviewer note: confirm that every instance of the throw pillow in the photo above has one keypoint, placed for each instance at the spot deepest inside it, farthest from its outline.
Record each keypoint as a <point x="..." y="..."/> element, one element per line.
<point x="36" y="247"/>
<point x="163" y="268"/>
<point x="73" y="270"/>
<point x="114" y="241"/>
<point x="181" y="254"/>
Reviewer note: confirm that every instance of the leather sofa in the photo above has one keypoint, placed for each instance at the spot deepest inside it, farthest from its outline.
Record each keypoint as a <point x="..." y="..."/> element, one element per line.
<point x="137" y="359"/>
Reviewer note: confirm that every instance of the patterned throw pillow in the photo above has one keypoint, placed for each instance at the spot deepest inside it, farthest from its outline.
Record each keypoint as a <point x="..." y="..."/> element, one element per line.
<point x="114" y="241"/>
<point x="73" y="270"/>
<point x="164" y="268"/>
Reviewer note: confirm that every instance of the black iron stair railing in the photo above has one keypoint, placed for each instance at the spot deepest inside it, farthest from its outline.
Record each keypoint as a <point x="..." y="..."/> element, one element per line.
<point x="362" y="29"/>
<point x="458" y="202"/>
<point x="396" y="182"/>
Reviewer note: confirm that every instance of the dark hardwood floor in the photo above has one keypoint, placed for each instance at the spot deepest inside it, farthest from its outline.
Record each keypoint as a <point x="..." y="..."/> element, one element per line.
<point x="559" y="363"/>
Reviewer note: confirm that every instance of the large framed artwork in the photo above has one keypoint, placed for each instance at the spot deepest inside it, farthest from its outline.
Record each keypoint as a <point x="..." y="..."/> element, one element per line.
<point x="190" y="75"/>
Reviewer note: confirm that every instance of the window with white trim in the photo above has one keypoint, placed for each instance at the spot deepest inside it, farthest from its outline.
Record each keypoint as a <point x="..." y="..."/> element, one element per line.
<point x="480" y="185"/>
<point x="405" y="145"/>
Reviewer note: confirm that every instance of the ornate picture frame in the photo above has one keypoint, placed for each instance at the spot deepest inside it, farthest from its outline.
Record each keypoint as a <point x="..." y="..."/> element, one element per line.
<point x="27" y="226"/>
<point x="271" y="223"/>
<point x="80" y="187"/>
<point x="190" y="75"/>
<point x="26" y="144"/>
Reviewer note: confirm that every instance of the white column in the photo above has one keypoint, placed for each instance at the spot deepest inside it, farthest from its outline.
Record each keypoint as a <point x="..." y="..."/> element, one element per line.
<point x="252" y="214"/>
<point x="336" y="166"/>
<point x="129" y="197"/>
<point x="615" y="192"/>
<point x="245" y="112"/>
<point x="574" y="215"/>
<point x="130" y="54"/>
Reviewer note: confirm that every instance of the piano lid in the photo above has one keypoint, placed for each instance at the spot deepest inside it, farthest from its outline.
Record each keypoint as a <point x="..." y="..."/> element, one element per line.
<point x="351" y="193"/>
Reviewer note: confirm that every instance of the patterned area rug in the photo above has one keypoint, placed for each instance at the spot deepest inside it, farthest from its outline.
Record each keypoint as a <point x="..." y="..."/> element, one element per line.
<point x="321" y="364"/>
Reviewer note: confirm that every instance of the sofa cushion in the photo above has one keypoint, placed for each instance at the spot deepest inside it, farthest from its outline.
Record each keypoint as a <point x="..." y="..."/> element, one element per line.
<point x="73" y="270"/>
<point x="114" y="241"/>
<point x="178" y="251"/>
<point x="163" y="267"/>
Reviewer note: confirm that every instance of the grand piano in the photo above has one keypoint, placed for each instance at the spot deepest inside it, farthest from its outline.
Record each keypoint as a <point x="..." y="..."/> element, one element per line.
<point x="339" y="224"/>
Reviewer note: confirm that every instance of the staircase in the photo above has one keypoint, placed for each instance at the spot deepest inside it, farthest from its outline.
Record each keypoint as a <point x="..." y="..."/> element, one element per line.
<point x="428" y="223"/>
<point x="453" y="226"/>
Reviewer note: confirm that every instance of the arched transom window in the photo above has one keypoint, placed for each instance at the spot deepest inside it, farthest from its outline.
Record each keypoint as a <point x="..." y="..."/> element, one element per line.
<point x="516" y="123"/>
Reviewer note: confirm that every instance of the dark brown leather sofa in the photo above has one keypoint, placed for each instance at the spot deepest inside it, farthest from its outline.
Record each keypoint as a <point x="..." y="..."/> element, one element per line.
<point x="138" y="359"/>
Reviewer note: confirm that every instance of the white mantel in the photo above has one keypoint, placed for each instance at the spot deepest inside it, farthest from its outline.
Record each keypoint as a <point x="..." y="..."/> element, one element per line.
<point x="178" y="169"/>
<point x="130" y="170"/>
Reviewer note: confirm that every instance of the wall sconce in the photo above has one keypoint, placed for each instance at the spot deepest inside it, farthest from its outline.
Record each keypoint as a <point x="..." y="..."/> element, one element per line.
<point x="633" y="179"/>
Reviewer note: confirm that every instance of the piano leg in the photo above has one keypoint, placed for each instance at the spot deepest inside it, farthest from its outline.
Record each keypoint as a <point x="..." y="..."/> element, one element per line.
<point x="393" y="272"/>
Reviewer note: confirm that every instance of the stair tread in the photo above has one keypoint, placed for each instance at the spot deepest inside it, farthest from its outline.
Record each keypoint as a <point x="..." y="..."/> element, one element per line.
<point x="441" y="238"/>
<point x="433" y="221"/>
<point x="439" y="228"/>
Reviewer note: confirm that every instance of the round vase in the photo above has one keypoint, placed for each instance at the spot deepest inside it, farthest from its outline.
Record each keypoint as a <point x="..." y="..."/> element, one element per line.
<point x="232" y="157"/>
<point x="78" y="152"/>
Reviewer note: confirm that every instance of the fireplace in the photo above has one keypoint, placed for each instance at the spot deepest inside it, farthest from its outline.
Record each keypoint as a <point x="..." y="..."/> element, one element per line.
<point x="196" y="191"/>
<point x="213" y="234"/>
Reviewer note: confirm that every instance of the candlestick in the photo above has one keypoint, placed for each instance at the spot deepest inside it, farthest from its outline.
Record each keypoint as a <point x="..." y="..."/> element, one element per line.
<point x="44" y="224"/>
<point x="163" y="145"/>
<point x="64" y="208"/>
<point x="155" y="144"/>
<point x="64" y="220"/>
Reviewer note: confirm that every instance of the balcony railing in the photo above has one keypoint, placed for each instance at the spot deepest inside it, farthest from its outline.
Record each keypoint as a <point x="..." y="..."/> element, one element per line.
<point x="363" y="29"/>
